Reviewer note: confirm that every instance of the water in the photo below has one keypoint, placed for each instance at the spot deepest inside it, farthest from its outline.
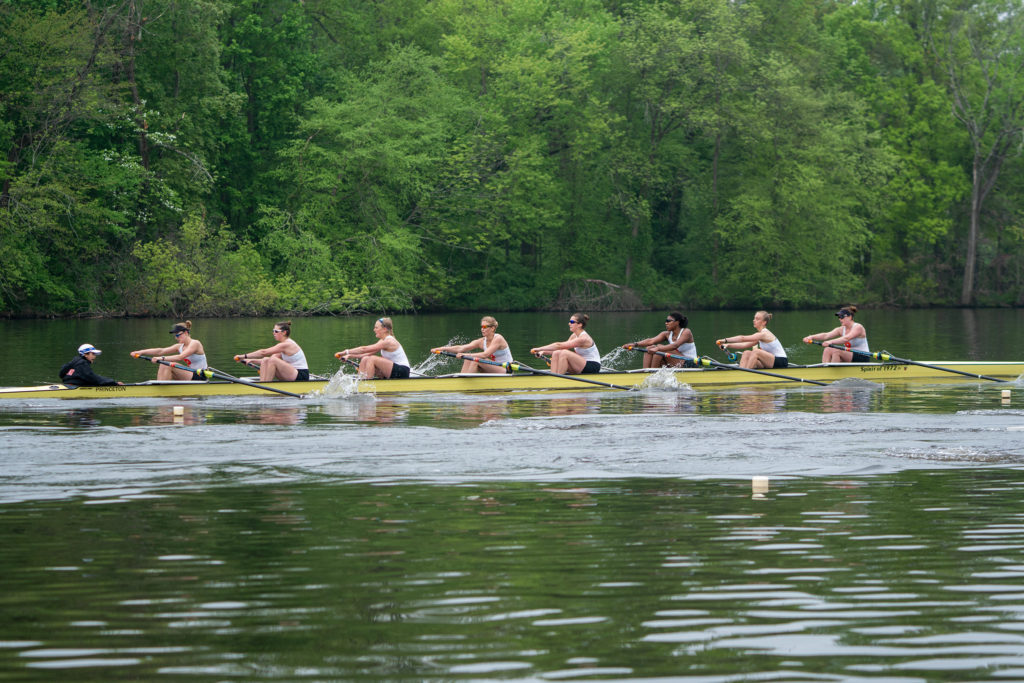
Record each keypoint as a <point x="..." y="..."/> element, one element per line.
<point x="851" y="532"/>
<point x="913" y="575"/>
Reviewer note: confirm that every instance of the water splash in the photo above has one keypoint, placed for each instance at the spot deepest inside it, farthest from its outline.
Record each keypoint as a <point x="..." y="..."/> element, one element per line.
<point x="611" y="359"/>
<point x="440" y="364"/>
<point x="341" y="385"/>
<point x="664" y="379"/>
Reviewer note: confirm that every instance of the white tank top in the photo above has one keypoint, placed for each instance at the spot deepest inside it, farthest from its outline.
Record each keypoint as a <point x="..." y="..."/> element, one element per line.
<point x="397" y="356"/>
<point x="296" y="360"/>
<point x="689" y="349"/>
<point x="774" y="347"/>
<point x="859" y="344"/>
<point x="197" y="361"/>
<point x="589" y="352"/>
<point x="503" y="355"/>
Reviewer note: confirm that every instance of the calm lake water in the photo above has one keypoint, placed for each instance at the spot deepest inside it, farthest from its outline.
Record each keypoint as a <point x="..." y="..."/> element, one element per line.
<point x="860" y="531"/>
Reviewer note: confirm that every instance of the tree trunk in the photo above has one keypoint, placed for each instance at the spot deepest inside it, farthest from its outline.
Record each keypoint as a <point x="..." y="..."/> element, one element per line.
<point x="135" y="33"/>
<point x="967" y="292"/>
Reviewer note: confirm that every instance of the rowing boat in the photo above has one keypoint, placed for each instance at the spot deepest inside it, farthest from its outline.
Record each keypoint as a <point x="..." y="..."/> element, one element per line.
<point x="496" y="383"/>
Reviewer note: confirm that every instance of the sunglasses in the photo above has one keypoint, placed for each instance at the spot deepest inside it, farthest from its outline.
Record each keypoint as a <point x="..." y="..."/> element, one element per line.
<point x="278" y="331"/>
<point x="670" y="320"/>
<point x="178" y="334"/>
<point x="573" y="322"/>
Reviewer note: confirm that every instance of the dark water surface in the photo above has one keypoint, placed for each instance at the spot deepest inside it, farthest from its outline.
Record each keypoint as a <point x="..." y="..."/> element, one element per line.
<point x="915" y="575"/>
<point x="860" y="531"/>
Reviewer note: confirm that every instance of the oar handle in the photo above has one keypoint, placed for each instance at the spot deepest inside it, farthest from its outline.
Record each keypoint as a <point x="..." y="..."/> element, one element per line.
<point x="247" y="362"/>
<point x="452" y="354"/>
<point x="206" y="374"/>
<point x="666" y="354"/>
<point x="877" y="355"/>
<point x="340" y="356"/>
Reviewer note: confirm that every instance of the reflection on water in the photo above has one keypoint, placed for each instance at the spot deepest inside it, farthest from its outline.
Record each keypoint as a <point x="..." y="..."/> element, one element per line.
<point x="917" y="575"/>
<point x="839" y="532"/>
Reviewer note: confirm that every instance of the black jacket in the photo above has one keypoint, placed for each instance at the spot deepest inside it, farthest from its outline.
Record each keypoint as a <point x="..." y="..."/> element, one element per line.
<point x="78" y="372"/>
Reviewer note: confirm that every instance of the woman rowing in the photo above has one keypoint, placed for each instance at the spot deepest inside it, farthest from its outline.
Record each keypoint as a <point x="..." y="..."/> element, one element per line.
<point x="493" y="347"/>
<point x="849" y="333"/>
<point x="392" y="363"/>
<point x="577" y="355"/>
<point x="186" y="351"/>
<point x="763" y="349"/>
<point x="676" y="339"/>
<point x="284" y="360"/>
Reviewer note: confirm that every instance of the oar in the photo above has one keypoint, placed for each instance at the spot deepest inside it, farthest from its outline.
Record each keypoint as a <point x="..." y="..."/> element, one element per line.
<point x="223" y="373"/>
<point x="478" y="360"/>
<point x="886" y="356"/>
<point x="515" y="367"/>
<point x="665" y="354"/>
<point x="711" y="362"/>
<point x="346" y="360"/>
<point x="207" y="374"/>
<point x="246" y="361"/>
<point x="355" y="364"/>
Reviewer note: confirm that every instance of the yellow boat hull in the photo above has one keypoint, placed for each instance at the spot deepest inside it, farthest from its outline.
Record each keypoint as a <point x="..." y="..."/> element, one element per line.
<point x="491" y="383"/>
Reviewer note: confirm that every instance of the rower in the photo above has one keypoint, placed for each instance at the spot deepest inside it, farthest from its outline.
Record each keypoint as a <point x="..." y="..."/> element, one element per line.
<point x="78" y="371"/>
<point x="392" y="363"/>
<point x="493" y="347"/>
<point x="577" y="355"/>
<point x="284" y="360"/>
<point x="186" y="350"/>
<point x="849" y="333"/>
<point x="763" y="349"/>
<point x="676" y="339"/>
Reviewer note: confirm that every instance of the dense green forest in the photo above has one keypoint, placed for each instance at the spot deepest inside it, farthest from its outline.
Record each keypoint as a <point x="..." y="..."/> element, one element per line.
<point x="223" y="157"/>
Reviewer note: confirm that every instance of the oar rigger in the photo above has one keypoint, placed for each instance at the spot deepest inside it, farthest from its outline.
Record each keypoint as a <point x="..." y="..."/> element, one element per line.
<point x="515" y="367"/>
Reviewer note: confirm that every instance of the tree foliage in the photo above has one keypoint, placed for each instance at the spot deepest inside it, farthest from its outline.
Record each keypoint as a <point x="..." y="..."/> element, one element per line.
<point x="253" y="156"/>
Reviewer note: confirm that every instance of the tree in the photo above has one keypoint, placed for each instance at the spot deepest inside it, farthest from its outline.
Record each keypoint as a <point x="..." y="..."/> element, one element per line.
<point x="983" y="56"/>
<point x="880" y="53"/>
<point x="55" y="217"/>
<point x="364" y="166"/>
<point x="686" y="62"/>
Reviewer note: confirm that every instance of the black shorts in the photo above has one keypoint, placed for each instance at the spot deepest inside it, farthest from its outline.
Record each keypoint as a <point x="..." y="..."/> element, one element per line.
<point x="858" y="358"/>
<point x="198" y="376"/>
<point x="399" y="371"/>
<point x="781" y="362"/>
<point x="303" y="375"/>
<point x="592" y="367"/>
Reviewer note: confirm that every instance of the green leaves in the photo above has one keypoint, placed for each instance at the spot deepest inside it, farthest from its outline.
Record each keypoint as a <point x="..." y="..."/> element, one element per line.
<point x="343" y="155"/>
